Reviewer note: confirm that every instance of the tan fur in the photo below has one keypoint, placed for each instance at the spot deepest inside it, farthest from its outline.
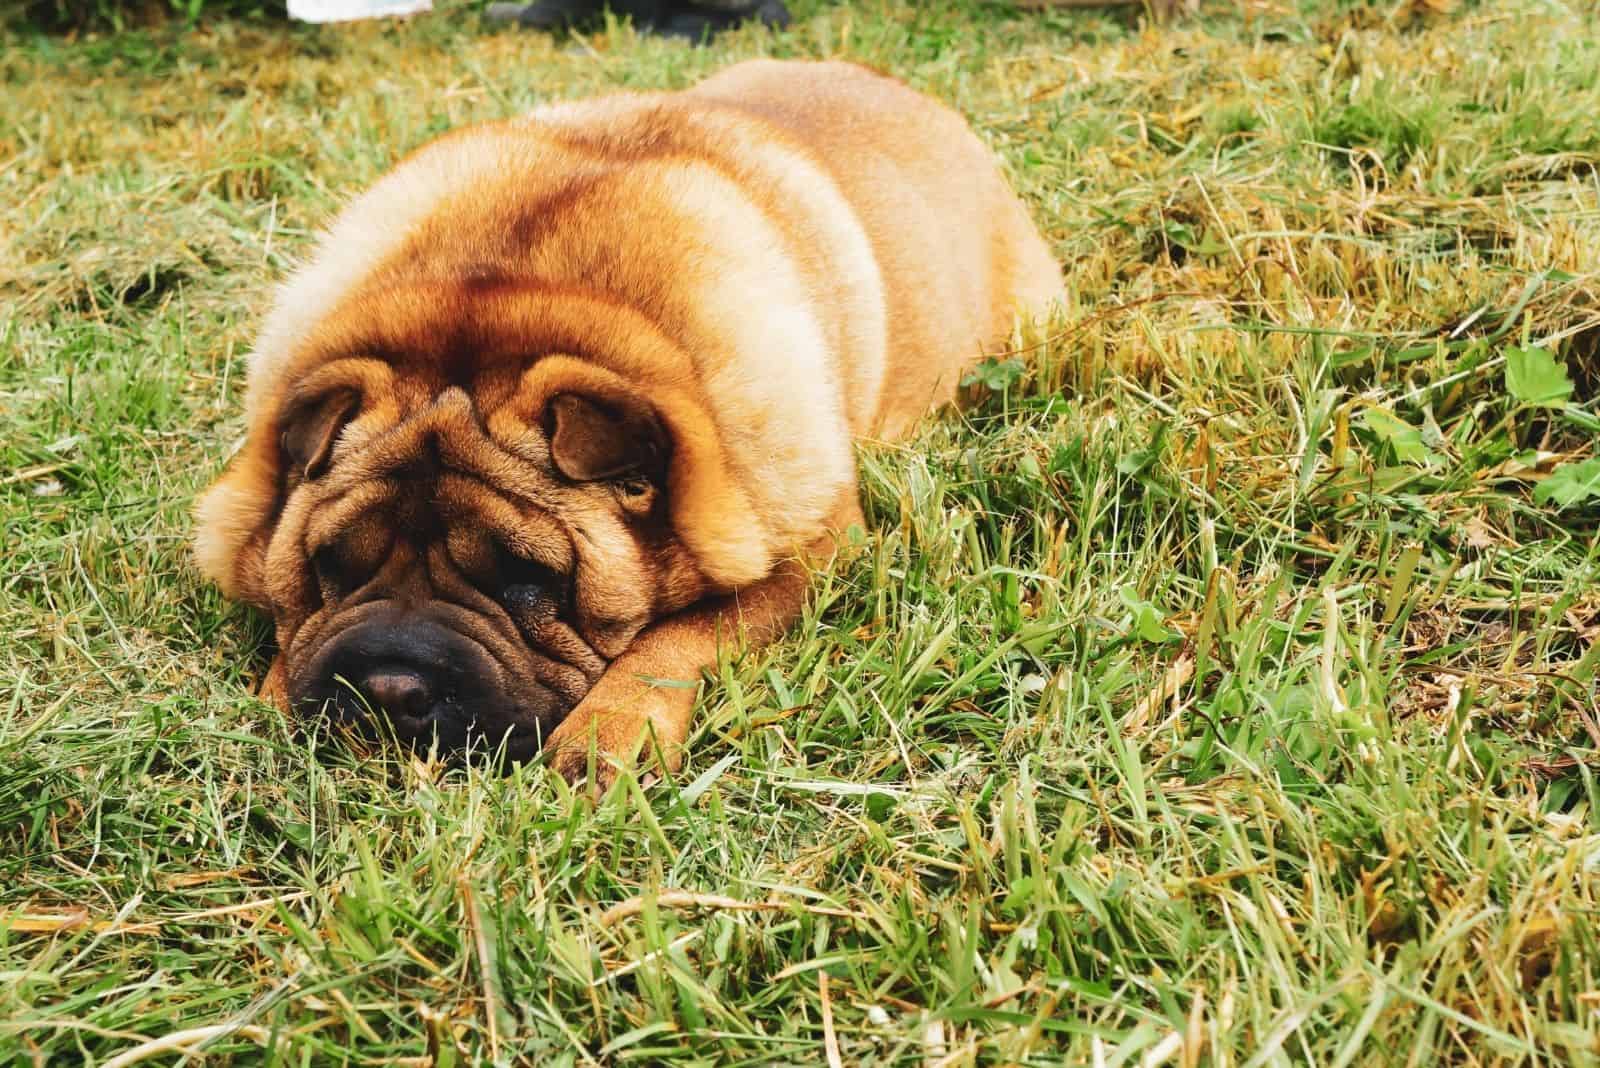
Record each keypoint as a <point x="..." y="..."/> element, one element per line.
<point x="788" y="258"/>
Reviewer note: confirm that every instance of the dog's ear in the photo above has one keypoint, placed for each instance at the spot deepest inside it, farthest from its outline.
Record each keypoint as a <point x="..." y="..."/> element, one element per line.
<point x="310" y="429"/>
<point x="233" y="523"/>
<point x="591" y="439"/>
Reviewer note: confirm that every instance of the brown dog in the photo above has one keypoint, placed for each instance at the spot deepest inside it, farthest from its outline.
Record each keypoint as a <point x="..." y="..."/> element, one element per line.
<point x="562" y="403"/>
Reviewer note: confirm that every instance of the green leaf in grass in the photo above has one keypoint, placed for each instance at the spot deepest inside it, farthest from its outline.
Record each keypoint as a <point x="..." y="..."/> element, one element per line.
<point x="1570" y="484"/>
<point x="1535" y="377"/>
<point x="1402" y="438"/>
<point x="1148" y="622"/>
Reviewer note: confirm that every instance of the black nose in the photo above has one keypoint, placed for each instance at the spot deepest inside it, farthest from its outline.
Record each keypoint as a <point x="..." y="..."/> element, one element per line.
<point x="428" y="682"/>
<point x="407" y="675"/>
<point x="420" y="702"/>
<point x="405" y="694"/>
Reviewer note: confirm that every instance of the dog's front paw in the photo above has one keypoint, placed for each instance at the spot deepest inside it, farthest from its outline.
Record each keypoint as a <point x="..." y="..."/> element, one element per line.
<point x="610" y="739"/>
<point x="577" y="754"/>
<point x="571" y="761"/>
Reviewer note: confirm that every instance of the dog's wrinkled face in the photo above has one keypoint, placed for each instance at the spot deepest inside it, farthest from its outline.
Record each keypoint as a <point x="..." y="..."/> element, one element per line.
<point x="466" y="558"/>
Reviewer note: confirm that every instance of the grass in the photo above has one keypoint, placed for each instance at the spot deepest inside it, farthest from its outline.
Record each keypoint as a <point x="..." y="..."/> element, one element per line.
<point x="1220" y="691"/>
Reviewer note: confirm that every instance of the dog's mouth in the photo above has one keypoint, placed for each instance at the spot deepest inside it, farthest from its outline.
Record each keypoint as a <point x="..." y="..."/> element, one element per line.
<point x="432" y="682"/>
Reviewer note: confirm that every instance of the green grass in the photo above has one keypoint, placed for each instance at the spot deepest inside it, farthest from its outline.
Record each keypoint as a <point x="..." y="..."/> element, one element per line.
<point x="1220" y="691"/>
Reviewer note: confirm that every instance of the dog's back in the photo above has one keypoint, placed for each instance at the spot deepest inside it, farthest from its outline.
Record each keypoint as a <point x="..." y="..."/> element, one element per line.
<point x="958" y="255"/>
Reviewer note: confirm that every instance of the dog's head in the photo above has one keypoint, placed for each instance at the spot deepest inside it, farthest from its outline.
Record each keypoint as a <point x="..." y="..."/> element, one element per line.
<point x="458" y="511"/>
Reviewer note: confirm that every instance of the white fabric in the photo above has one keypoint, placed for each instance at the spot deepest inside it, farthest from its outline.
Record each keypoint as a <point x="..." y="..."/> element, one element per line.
<point x="347" y="10"/>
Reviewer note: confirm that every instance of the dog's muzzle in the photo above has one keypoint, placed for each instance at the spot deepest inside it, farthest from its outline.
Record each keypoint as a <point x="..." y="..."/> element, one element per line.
<point x="431" y="685"/>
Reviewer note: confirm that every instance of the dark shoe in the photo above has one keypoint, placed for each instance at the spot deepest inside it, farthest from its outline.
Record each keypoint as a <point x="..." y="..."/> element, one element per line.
<point x="700" y="23"/>
<point x="543" y="14"/>
<point x="694" y="21"/>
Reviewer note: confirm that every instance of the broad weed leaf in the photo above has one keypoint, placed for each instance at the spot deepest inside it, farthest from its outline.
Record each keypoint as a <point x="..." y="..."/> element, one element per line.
<point x="1403" y="438"/>
<point x="1147" y="622"/>
<point x="1535" y="377"/>
<point x="1570" y="484"/>
<point x="997" y="376"/>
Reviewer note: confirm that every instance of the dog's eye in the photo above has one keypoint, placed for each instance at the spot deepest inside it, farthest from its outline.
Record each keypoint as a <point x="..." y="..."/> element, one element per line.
<point x="332" y="578"/>
<point x="635" y="494"/>
<point x="525" y="583"/>
<point x="351" y="560"/>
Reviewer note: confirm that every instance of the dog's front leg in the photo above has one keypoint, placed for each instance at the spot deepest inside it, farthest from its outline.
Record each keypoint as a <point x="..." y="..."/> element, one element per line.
<point x="643" y="704"/>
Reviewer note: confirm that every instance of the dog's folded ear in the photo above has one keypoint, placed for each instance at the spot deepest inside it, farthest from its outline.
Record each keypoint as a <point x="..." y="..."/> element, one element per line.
<point x="311" y="427"/>
<point x="591" y="439"/>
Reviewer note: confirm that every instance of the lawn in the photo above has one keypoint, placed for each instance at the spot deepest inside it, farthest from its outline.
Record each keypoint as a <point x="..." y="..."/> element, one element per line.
<point x="1220" y="690"/>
